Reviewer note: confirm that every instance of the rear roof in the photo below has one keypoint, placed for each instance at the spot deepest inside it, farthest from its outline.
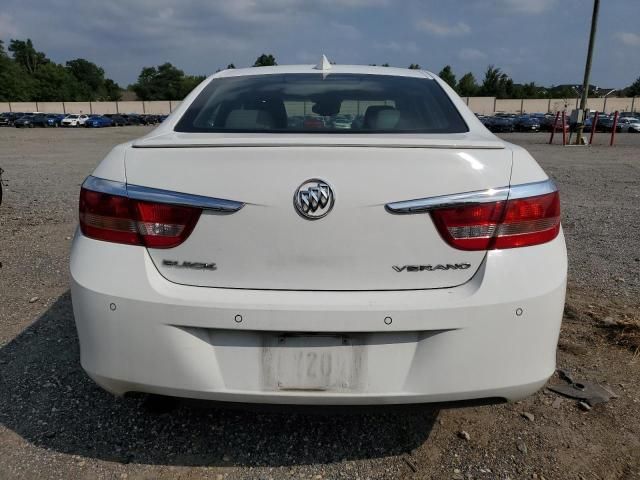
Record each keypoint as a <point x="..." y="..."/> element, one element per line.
<point x="355" y="69"/>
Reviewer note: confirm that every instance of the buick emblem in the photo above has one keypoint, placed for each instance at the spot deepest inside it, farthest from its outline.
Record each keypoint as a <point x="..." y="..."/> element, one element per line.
<point x="313" y="199"/>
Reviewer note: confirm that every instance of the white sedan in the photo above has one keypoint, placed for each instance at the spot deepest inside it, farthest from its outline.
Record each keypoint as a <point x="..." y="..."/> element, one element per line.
<point x="74" y="120"/>
<point x="233" y="255"/>
<point x="630" y="124"/>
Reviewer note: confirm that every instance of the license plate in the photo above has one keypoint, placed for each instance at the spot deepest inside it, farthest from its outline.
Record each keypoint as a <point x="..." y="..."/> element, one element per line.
<point x="313" y="362"/>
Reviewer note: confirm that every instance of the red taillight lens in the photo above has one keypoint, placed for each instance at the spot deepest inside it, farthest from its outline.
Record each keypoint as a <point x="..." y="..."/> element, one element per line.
<point x="107" y="217"/>
<point x="119" y="219"/>
<point x="516" y="223"/>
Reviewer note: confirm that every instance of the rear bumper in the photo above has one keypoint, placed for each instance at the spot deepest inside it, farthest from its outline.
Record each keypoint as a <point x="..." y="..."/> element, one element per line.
<point x="495" y="336"/>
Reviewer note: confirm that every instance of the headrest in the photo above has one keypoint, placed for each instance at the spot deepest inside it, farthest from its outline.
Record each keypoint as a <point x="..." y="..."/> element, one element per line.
<point x="386" y="120"/>
<point x="371" y="116"/>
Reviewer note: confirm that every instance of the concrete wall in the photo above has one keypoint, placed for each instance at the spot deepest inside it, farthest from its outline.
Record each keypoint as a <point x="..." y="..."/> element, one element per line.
<point x="508" y="105"/>
<point x="157" y="108"/>
<point x="131" y="107"/>
<point x="622" y="104"/>
<point x="480" y="105"/>
<point x="23" y="107"/>
<point x="50" y="107"/>
<point x="535" y="105"/>
<point x="595" y="104"/>
<point x="559" y="104"/>
<point x="78" y="107"/>
<point x="104" y="107"/>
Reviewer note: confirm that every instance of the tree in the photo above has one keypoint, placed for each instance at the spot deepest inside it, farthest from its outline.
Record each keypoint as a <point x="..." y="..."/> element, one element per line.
<point x="467" y="86"/>
<point x="27" y="56"/>
<point x="91" y="80"/>
<point x="189" y="82"/>
<point x="529" y="90"/>
<point x="265" y="60"/>
<point x="633" y="90"/>
<point x="496" y="83"/>
<point x="112" y="90"/>
<point x="165" y="82"/>
<point x="562" y="91"/>
<point x="55" y="83"/>
<point x="447" y="75"/>
<point x="15" y="83"/>
<point x="414" y="66"/>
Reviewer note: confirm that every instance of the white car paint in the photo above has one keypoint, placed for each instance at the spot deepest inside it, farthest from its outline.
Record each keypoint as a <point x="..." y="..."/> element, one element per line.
<point x="74" y="120"/>
<point x="489" y="331"/>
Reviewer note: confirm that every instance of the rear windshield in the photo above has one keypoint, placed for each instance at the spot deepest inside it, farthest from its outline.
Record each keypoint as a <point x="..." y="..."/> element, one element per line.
<point x="317" y="103"/>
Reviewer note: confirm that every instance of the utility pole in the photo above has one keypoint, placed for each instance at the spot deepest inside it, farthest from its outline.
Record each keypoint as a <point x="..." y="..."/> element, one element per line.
<point x="587" y="72"/>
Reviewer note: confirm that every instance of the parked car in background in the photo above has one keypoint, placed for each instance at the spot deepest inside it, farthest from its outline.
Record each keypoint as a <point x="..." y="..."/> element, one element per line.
<point x="501" y="124"/>
<point x="54" y="119"/>
<point x="7" y="118"/>
<point x="312" y="123"/>
<point x="606" y="125"/>
<point x="625" y="124"/>
<point x="548" y="123"/>
<point x="342" y="122"/>
<point x="26" y="121"/>
<point x="98" y="121"/>
<point x="117" y="119"/>
<point x="420" y="260"/>
<point x="40" y="120"/>
<point x="633" y="126"/>
<point x="74" y="120"/>
<point x="527" y="124"/>
<point x="132" y="119"/>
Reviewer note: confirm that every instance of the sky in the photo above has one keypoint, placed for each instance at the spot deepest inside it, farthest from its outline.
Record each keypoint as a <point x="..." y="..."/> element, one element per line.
<point x="544" y="41"/>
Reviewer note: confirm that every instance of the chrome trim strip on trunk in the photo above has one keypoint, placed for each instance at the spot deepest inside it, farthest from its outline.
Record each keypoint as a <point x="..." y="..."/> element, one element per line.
<point x="101" y="185"/>
<point x="422" y="205"/>
<point x="532" y="189"/>
<point x="149" y="194"/>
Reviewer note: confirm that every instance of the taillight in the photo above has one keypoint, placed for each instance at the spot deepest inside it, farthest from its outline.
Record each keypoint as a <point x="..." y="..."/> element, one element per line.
<point x="518" y="222"/>
<point x="120" y="219"/>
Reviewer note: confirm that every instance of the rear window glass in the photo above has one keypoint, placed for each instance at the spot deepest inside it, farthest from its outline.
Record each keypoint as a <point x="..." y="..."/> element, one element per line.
<point x="317" y="103"/>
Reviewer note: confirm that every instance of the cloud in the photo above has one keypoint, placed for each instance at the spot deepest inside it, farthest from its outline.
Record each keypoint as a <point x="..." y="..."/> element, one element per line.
<point x="442" y="29"/>
<point x="628" y="38"/>
<point x="354" y="3"/>
<point x="397" y="47"/>
<point x="7" y="26"/>
<point x="346" y="31"/>
<point x="534" y="7"/>
<point x="471" y="54"/>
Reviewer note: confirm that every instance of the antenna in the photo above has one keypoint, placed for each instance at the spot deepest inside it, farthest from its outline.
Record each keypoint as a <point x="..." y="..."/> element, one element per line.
<point x="323" y="64"/>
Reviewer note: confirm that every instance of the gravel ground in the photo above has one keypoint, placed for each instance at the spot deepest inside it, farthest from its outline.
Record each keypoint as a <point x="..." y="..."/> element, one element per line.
<point x="55" y="423"/>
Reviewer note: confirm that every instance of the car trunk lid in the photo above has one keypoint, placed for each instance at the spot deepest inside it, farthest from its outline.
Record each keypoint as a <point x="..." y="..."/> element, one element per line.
<point x="358" y="245"/>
